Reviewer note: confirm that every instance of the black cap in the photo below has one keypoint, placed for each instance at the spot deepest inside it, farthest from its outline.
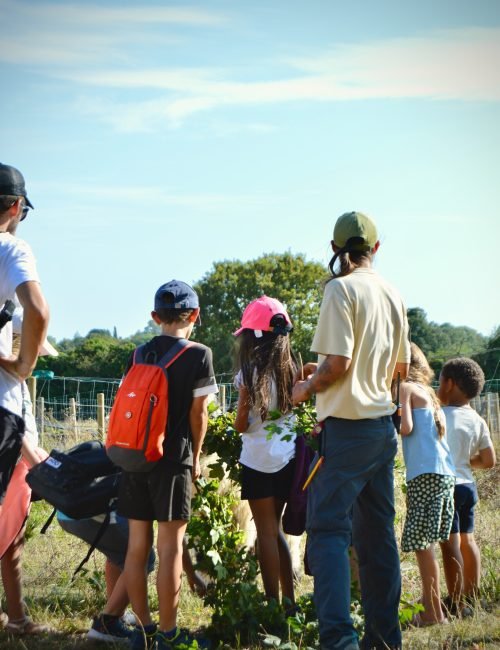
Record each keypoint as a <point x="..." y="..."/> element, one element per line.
<point x="12" y="183"/>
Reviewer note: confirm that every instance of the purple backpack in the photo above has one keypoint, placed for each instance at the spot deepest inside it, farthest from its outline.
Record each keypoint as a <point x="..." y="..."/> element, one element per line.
<point x="294" y="517"/>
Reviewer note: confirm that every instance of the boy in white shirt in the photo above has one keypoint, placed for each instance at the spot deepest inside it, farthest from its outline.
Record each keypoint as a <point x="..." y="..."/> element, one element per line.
<point x="471" y="447"/>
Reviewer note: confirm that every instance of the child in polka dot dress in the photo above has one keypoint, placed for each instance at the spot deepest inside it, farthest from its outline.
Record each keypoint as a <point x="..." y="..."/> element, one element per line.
<point x="430" y="480"/>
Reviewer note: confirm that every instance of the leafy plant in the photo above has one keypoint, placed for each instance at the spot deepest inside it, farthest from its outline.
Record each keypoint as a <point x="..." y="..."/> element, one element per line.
<point x="239" y="610"/>
<point x="407" y="610"/>
<point x="223" y="440"/>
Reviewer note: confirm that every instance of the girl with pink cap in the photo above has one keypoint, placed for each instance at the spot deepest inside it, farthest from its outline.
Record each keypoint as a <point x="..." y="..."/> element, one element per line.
<point x="265" y="371"/>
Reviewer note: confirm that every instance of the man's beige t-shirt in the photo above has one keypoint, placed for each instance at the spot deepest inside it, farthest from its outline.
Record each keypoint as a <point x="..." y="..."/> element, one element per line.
<point x="363" y="318"/>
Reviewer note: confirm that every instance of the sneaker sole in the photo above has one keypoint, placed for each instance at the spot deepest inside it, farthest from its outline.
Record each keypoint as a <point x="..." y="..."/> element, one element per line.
<point x="105" y="638"/>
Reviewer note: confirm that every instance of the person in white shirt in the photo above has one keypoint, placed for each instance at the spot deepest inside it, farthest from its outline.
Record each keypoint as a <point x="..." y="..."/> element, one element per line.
<point x="461" y="380"/>
<point x="264" y="381"/>
<point x="18" y="278"/>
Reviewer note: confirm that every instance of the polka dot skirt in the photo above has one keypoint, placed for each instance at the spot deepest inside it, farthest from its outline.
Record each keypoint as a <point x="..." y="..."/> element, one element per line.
<point x="429" y="511"/>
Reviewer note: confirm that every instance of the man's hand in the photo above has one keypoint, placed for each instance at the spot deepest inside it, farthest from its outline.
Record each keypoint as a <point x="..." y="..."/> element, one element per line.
<point x="305" y="372"/>
<point x="301" y="392"/>
<point x="15" y="367"/>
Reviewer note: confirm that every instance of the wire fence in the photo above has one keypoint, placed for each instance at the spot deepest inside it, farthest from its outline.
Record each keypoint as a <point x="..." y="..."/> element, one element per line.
<point x="65" y="397"/>
<point x="72" y="407"/>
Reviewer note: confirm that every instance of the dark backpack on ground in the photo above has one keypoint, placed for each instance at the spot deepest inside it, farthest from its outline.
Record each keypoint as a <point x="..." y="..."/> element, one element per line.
<point x="81" y="482"/>
<point x="139" y="417"/>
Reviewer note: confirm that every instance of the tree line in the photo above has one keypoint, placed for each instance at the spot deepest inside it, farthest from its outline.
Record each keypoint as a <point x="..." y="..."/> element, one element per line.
<point x="224" y="292"/>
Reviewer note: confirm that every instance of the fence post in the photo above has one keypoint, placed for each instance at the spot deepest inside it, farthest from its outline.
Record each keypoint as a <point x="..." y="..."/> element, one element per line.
<point x="223" y="397"/>
<point x="41" y="419"/>
<point x="488" y="411"/>
<point x="497" y="413"/>
<point x="100" y="415"/>
<point x="31" y="381"/>
<point x="72" y="415"/>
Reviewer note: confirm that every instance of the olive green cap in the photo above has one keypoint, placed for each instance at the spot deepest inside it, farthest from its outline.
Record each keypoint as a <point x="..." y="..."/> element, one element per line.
<point x="355" y="225"/>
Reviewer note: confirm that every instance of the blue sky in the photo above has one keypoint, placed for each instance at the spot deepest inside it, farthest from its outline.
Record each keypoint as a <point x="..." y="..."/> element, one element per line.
<point x="157" y="138"/>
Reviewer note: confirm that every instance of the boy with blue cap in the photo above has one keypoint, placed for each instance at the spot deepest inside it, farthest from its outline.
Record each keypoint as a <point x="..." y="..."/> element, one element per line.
<point x="163" y="494"/>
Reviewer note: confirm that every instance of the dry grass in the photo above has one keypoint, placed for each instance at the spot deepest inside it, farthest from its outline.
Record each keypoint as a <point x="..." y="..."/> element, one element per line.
<point x="49" y="561"/>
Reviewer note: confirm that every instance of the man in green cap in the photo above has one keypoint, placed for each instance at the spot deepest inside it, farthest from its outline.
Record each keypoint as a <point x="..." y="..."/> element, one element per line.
<point x="362" y="343"/>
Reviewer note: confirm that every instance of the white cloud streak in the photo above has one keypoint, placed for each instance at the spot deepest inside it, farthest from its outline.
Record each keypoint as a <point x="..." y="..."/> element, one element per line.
<point x="88" y="46"/>
<point x="98" y="15"/>
<point x="65" y="35"/>
<point x="449" y="65"/>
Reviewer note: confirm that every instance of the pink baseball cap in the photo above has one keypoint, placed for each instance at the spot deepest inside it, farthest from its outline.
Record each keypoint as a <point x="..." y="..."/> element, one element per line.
<point x="259" y="313"/>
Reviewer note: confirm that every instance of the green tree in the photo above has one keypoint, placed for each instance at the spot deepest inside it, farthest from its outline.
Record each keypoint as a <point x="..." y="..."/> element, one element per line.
<point x="441" y="342"/>
<point x="98" y="333"/>
<point x="142" y="336"/>
<point x="231" y="285"/>
<point x="489" y="360"/>
<point x="95" y="356"/>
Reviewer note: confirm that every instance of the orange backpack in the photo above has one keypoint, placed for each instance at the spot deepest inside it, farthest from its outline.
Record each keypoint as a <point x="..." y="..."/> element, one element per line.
<point x="138" y="420"/>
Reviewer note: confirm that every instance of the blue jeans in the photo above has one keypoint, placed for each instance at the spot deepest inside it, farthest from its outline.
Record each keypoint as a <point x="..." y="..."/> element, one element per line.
<point x="351" y="498"/>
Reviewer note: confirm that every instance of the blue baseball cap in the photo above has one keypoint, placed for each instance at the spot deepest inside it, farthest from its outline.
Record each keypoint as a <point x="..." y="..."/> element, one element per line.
<point x="176" y="295"/>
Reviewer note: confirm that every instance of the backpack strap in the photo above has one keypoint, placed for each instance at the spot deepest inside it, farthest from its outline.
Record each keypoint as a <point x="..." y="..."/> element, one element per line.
<point x="95" y="542"/>
<point x="178" y="348"/>
<point x="138" y="356"/>
<point x="46" y="525"/>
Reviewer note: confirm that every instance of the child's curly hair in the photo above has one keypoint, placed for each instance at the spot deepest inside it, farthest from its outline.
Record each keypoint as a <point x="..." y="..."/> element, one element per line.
<point x="467" y="375"/>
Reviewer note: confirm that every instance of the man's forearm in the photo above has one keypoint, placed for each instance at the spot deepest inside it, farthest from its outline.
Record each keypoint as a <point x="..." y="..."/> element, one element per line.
<point x="34" y="327"/>
<point x="333" y="368"/>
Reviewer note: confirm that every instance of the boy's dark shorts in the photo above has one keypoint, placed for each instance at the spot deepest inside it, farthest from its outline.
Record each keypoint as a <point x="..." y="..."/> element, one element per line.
<point x="163" y="494"/>
<point x="113" y="544"/>
<point x="260" y="485"/>
<point x="465" y="500"/>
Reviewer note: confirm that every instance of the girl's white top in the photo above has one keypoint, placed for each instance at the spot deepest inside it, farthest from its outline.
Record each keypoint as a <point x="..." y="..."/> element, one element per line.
<point x="260" y="453"/>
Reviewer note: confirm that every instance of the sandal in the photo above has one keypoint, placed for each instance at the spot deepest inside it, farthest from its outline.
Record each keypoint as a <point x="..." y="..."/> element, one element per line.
<point x="25" y="626"/>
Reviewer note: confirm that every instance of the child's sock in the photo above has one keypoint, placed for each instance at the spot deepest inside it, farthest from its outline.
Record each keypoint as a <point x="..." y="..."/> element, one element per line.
<point x="170" y="634"/>
<point x="148" y="629"/>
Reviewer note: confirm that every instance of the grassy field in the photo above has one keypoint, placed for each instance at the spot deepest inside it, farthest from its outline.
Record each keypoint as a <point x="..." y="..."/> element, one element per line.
<point x="50" y="559"/>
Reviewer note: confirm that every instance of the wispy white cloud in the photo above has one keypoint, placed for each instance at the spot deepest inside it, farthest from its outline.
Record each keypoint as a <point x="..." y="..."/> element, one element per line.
<point x="64" y="35"/>
<point x="89" y="47"/>
<point x="445" y="65"/>
<point x="99" y="15"/>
